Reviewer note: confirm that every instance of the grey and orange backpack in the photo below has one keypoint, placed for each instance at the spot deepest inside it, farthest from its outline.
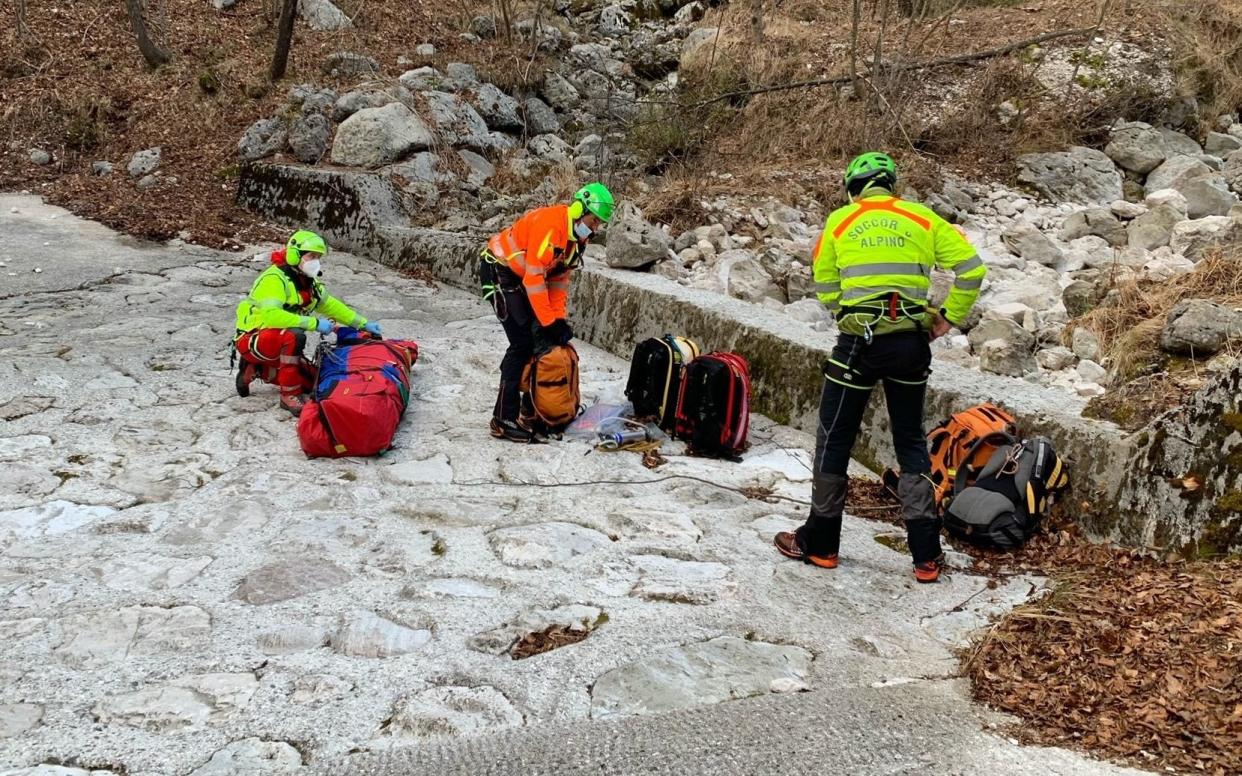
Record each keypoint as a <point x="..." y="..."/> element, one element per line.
<point x="992" y="487"/>
<point x="1008" y="498"/>
<point x="963" y="443"/>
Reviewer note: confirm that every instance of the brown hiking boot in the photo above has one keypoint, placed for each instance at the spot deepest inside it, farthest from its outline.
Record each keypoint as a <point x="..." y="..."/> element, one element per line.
<point x="787" y="544"/>
<point x="294" y="402"/>
<point x="246" y="373"/>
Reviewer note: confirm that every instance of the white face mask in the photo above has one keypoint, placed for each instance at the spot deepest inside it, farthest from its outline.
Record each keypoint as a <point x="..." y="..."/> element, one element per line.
<point x="310" y="267"/>
<point x="582" y="231"/>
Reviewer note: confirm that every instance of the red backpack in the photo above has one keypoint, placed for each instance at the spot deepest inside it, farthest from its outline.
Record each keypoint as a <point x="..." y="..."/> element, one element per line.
<point x="713" y="406"/>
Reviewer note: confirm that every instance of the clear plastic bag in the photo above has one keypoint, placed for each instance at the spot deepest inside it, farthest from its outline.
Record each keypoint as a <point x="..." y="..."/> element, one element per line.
<point x="599" y="419"/>
<point x="627" y="434"/>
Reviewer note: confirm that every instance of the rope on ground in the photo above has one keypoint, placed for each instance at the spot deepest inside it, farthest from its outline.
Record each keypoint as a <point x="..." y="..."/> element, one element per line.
<point x="750" y="493"/>
<point x="746" y="492"/>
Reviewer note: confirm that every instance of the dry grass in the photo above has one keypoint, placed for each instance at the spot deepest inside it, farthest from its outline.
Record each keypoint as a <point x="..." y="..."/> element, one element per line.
<point x="930" y="120"/>
<point x="1129" y="327"/>
<point x="1207" y="38"/>
<point x="1145" y="380"/>
<point x="563" y="176"/>
<point x="677" y="201"/>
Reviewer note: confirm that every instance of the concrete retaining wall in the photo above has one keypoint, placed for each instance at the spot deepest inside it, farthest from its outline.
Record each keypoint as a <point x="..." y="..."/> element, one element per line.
<point x="614" y="309"/>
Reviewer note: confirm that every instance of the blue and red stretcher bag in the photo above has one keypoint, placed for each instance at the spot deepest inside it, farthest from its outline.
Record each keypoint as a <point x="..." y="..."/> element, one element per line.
<point x="361" y="394"/>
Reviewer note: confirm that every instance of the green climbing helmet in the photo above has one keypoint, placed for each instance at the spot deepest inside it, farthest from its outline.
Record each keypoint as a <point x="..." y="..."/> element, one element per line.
<point x="597" y="200"/>
<point x="303" y="241"/>
<point x="873" y="167"/>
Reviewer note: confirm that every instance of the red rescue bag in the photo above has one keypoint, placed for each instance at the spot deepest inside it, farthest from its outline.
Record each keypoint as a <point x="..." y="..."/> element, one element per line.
<point x="362" y="392"/>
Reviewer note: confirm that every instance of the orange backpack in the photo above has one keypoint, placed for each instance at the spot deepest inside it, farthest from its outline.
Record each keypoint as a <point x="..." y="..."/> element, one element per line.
<point x="551" y="380"/>
<point x="961" y="446"/>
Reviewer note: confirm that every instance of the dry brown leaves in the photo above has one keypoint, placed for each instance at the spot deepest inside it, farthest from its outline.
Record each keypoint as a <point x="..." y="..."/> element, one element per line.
<point x="653" y="460"/>
<point x="422" y="274"/>
<point x="870" y="499"/>
<point x="77" y="87"/>
<point x="1131" y="657"/>
<point x="546" y="640"/>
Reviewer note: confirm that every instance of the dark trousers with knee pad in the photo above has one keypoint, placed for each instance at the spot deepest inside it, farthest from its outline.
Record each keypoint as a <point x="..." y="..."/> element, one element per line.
<point x="518" y="319"/>
<point x="901" y="362"/>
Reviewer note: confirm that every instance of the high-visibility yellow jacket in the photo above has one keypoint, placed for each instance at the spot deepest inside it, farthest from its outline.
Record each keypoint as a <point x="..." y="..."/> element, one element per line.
<point x="540" y="249"/>
<point x="874" y="260"/>
<point x="281" y="299"/>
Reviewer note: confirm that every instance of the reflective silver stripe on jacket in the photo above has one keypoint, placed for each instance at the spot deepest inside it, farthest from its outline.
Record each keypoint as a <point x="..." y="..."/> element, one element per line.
<point x="916" y="269"/>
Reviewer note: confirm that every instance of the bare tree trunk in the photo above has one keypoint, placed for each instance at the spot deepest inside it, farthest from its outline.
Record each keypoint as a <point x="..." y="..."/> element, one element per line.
<point x="506" y="20"/>
<point x="22" y="30"/>
<point x="284" y="39"/>
<point x="854" y="25"/>
<point x="877" y="60"/>
<point x="154" y="55"/>
<point x="756" y="21"/>
<point x="1073" y="79"/>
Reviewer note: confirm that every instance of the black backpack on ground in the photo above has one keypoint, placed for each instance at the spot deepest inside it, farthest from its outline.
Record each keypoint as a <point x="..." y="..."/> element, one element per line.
<point x="656" y="372"/>
<point x="1009" y="497"/>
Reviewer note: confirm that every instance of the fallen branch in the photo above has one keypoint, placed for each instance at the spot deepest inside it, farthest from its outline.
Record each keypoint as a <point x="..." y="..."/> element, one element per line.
<point x="959" y="59"/>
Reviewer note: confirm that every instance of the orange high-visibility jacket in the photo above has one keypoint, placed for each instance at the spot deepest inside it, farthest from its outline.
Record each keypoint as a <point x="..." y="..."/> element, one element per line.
<point x="538" y="248"/>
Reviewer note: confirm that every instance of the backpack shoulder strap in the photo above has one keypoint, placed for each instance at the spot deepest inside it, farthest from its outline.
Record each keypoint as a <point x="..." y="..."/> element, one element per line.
<point x="998" y="438"/>
<point x="1030" y="490"/>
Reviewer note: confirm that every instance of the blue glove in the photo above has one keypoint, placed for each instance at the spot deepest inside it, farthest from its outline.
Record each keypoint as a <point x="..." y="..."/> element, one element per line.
<point x="323" y="326"/>
<point x="372" y="328"/>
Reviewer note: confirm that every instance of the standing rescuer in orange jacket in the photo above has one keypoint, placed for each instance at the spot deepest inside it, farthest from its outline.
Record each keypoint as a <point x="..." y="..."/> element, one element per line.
<point x="525" y="271"/>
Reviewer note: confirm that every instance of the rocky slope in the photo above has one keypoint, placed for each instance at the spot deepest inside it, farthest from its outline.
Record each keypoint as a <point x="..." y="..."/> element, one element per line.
<point x="469" y="155"/>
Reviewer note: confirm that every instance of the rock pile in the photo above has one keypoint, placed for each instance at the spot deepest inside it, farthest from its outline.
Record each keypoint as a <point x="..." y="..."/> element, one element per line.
<point x="1151" y="205"/>
<point x="446" y="132"/>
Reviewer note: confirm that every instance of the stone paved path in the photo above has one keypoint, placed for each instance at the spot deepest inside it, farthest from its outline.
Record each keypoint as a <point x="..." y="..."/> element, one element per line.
<point x="182" y="591"/>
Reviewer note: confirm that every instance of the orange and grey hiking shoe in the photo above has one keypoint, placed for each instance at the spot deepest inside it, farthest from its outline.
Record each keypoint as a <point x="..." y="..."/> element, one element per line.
<point x="787" y="544"/>
<point x="246" y="373"/>
<point x="929" y="570"/>
<point x="294" y="402"/>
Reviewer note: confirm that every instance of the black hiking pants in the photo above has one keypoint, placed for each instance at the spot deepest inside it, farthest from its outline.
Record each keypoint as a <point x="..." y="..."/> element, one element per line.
<point x="518" y="319"/>
<point x="902" y="363"/>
